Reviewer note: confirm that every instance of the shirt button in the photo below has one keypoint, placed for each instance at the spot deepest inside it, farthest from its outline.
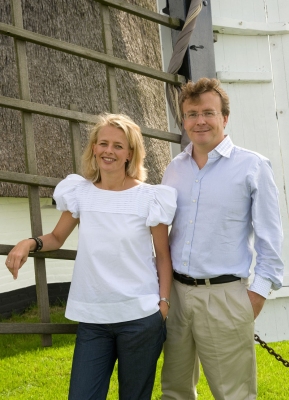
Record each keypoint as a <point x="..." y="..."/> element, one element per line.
<point x="194" y="200"/>
<point x="184" y="263"/>
<point x="191" y="221"/>
<point x="187" y="242"/>
<point x="197" y="180"/>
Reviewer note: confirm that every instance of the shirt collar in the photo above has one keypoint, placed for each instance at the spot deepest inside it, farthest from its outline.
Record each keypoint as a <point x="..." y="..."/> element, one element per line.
<point x="223" y="149"/>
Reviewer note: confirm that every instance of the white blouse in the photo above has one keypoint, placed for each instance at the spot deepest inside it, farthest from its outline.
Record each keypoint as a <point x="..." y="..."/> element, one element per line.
<point x="114" y="277"/>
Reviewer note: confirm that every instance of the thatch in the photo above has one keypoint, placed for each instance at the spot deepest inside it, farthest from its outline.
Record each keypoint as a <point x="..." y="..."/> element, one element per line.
<point x="58" y="79"/>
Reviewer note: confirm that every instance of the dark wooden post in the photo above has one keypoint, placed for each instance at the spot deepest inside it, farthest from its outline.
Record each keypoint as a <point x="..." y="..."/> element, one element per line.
<point x="31" y="168"/>
<point x="199" y="60"/>
<point x="108" y="48"/>
<point x="75" y="138"/>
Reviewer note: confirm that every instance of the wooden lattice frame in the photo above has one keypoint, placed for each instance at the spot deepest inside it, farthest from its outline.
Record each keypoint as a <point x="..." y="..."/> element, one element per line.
<point x="27" y="108"/>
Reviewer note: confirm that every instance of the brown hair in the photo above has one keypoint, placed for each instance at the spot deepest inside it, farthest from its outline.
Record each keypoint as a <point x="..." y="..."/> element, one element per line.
<point x="191" y="91"/>
<point x="135" y="167"/>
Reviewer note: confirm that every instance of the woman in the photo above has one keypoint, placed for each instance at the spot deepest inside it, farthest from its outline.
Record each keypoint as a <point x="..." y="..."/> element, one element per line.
<point x="118" y="293"/>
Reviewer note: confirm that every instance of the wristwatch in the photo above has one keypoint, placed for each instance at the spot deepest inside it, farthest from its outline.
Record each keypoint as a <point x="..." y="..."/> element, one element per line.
<point x="165" y="300"/>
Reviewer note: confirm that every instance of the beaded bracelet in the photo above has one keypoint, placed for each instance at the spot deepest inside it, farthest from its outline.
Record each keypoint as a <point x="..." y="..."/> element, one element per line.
<point x="39" y="244"/>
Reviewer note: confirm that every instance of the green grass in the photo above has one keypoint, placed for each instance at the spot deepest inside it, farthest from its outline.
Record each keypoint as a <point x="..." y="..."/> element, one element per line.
<point x="29" y="371"/>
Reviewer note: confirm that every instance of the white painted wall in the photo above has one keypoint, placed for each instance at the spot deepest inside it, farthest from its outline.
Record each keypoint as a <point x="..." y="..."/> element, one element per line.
<point x="15" y="226"/>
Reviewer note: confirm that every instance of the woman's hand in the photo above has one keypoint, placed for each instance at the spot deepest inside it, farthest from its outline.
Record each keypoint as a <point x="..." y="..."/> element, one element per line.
<point x="18" y="256"/>
<point x="164" y="309"/>
<point x="52" y="241"/>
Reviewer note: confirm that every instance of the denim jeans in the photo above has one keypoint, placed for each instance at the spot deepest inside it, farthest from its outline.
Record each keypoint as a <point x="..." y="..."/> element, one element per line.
<point x="135" y="344"/>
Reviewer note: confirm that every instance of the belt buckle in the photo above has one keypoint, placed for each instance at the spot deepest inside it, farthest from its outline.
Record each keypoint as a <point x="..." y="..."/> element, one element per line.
<point x="195" y="280"/>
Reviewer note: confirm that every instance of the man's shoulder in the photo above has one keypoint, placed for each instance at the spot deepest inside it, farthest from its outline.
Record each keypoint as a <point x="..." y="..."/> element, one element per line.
<point x="180" y="158"/>
<point x="249" y="154"/>
<point x="176" y="169"/>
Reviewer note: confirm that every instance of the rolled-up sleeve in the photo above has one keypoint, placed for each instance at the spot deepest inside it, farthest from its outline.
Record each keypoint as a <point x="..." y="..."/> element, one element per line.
<point x="267" y="229"/>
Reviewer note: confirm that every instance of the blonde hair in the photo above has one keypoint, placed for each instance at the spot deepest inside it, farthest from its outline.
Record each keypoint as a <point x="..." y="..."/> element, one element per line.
<point x="134" y="168"/>
<point x="192" y="90"/>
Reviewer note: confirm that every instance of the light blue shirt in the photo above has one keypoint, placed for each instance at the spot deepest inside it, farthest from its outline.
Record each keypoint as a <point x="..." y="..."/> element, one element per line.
<point x="223" y="211"/>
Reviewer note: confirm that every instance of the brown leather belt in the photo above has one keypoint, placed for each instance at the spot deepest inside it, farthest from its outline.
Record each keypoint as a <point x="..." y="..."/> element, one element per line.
<point x="213" y="281"/>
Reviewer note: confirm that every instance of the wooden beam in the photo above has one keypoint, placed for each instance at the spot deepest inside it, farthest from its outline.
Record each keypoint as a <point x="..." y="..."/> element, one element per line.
<point x="173" y="23"/>
<point x="49" y="111"/>
<point x="245" y="76"/>
<point x="75" y="138"/>
<point x="161" y="135"/>
<point x="108" y="48"/>
<point x="71" y="115"/>
<point x="28" y="179"/>
<point x="39" y="328"/>
<point x="31" y="166"/>
<point x="55" y="254"/>
<point x="88" y="54"/>
<point x="230" y="26"/>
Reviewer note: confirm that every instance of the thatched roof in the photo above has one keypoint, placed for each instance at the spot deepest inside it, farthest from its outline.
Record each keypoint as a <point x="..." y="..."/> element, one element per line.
<point x="59" y="79"/>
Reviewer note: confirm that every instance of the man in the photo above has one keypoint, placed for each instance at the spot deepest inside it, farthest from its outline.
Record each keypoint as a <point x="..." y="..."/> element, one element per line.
<point x="226" y="196"/>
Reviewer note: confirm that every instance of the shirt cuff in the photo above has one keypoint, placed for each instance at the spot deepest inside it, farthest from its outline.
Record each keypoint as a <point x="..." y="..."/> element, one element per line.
<point x="261" y="286"/>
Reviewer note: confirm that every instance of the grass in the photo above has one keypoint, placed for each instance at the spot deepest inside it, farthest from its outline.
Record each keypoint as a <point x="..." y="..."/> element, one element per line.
<point x="29" y="371"/>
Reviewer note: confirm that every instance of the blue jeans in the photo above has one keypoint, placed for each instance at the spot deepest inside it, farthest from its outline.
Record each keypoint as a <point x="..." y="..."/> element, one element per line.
<point x="136" y="344"/>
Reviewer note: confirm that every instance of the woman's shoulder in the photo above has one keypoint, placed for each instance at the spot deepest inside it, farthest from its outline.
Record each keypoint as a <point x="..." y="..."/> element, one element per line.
<point x="67" y="193"/>
<point x="75" y="178"/>
<point x="156" y="194"/>
<point x="159" y="189"/>
<point x="72" y="181"/>
<point x="162" y="208"/>
<point x="70" y="185"/>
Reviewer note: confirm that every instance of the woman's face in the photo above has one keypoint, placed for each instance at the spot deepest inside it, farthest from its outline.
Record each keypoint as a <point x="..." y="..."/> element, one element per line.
<point x="111" y="149"/>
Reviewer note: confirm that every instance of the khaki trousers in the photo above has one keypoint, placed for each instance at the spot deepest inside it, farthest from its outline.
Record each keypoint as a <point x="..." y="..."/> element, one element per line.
<point x="214" y="323"/>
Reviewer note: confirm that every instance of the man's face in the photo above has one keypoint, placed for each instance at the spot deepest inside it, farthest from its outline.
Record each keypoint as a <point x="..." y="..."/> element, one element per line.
<point x="205" y="133"/>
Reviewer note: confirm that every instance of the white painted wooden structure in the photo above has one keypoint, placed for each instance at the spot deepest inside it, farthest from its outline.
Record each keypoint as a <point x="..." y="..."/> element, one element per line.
<point x="252" y="61"/>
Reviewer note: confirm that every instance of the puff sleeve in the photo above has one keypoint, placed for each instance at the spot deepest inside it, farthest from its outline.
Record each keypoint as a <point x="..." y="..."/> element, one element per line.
<point x="65" y="194"/>
<point x="163" y="206"/>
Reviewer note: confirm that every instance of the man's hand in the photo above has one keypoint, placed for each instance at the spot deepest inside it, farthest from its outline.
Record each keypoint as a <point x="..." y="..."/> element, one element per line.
<point x="257" y="302"/>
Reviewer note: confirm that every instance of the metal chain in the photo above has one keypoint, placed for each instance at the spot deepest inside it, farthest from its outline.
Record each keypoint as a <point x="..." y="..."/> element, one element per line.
<point x="271" y="351"/>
